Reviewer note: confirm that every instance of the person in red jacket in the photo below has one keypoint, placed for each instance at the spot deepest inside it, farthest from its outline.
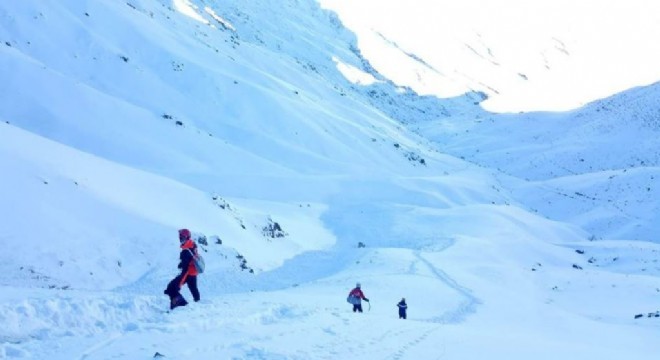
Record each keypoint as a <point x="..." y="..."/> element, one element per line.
<point x="188" y="273"/>
<point x="355" y="297"/>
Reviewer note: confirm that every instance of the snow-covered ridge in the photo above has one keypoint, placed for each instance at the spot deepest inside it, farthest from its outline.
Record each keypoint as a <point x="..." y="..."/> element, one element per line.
<point x="596" y="166"/>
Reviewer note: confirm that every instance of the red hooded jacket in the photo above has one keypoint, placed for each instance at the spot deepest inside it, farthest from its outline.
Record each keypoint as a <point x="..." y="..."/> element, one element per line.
<point x="358" y="292"/>
<point x="187" y="264"/>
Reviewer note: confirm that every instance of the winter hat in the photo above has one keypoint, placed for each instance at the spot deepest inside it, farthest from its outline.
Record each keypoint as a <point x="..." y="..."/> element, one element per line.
<point x="184" y="234"/>
<point x="357" y="285"/>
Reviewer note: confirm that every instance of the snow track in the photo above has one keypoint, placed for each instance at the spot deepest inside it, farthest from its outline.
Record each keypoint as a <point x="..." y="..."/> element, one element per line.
<point x="468" y="305"/>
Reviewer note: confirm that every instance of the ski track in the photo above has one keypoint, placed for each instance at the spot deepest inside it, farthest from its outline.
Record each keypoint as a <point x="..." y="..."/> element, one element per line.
<point x="105" y="343"/>
<point x="411" y="344"/>
<point x="467" y="308"/>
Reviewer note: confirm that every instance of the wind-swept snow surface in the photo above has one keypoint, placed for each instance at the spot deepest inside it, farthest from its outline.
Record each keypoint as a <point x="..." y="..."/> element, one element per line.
<point x="301" y="168"/>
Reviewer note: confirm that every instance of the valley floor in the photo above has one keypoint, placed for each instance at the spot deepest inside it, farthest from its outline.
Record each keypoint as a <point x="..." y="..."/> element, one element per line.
<point x="447" y="320"/>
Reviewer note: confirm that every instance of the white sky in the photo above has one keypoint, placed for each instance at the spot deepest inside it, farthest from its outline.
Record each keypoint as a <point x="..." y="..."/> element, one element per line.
<point x="562" y="48"/>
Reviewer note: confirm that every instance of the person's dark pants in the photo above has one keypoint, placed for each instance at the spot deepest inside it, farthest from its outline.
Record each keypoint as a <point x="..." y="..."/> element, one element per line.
<point x="357" y="307"/>
<point x="172" y="290"/>
<point x="191" y="280"/>
<point x="402" y="314"/>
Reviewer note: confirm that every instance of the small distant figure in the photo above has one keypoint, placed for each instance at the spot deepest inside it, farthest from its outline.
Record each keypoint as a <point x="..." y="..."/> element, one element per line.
<point x="402" y="308"/>
<point x="188" y="272"/>
<point x="355" y="297"/>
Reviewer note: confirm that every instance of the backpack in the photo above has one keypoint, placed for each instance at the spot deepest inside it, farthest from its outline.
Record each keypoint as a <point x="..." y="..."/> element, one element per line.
<point x="198" y="260"/>
<point x="352" y="299"/>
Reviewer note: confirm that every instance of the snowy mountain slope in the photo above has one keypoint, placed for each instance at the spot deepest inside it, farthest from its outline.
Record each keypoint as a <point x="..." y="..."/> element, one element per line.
<point x="596" y="166"/>
<point x="272" y="130"/>
<point x="122" y="122"/>
<point x="550" y="145"/>
<point x="215" y="86"/>
<point x="97" y="224"/>
<point x="534" y="56"/>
